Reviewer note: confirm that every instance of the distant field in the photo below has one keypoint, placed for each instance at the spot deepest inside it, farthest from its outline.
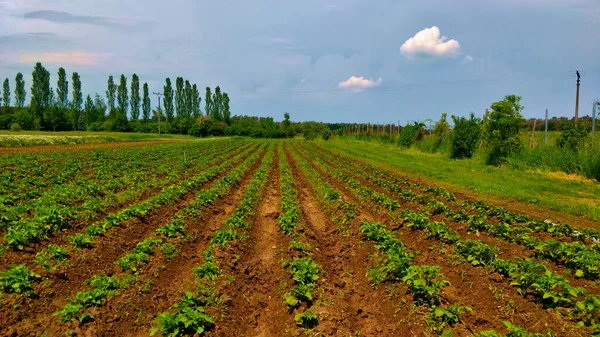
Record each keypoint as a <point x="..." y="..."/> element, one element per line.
<point x="28" y="138"/>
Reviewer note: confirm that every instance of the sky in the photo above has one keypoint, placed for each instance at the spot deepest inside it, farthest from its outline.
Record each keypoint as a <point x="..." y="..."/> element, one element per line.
<point x="324" y="60"/>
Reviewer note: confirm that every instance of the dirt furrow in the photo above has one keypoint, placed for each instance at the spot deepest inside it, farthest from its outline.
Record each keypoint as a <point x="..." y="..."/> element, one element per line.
<point x="254" y="303"/>
<point x="356" y="306"/>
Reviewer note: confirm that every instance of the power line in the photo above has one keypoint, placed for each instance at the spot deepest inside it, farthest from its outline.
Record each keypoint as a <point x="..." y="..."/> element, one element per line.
<point x="453" y="83"/>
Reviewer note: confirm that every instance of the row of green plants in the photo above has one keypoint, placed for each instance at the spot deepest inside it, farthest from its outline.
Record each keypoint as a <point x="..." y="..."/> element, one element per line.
<point x="190" y="315"/>
<point x="396" y="262"/>
<point x="303" y="269"/>
<point x="588" y="235"/>
<point x="167" y="238"/>
<point x="55" y="255"/>
<point x="35" y="231"/>
<point x="576" y="256"/>
<point x="67" y="203"/>
<point x="553" y="288"/>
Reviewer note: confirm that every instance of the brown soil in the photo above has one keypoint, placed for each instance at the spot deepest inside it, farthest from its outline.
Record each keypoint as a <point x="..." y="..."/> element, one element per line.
<point x="37" y="149"/>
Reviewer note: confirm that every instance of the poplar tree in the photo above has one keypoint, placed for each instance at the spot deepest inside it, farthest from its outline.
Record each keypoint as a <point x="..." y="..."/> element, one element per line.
<point x="225" y="109"/>
<point x="122" y="96"/>
<point x="135" y="97"/>
<point x="179" y="97"/>
<point x="40" y="91"/>
<point x="20" y="93"/>
<point x="208" y="103"/>
<point x="188" y="99"/>
<point x="99" y="108"/>
<point x="77" y="101"/>
<point x="168" y="99"/>
<point x="146" y="107"/>
<point x="110" y="94"/>
<point x="6" y="94"/>
<point x="62" y="89"/>
<point x="216" y="113"/>
<point x="196" y="99"/>
<point x="89" y="115"/>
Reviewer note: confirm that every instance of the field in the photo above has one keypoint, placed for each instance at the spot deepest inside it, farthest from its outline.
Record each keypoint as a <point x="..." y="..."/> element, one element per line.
<point x="237" y="237"/>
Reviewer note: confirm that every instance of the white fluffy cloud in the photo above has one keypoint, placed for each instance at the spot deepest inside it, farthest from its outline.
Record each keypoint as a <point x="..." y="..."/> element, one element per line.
<point x="429" y="42"/>
<point x="359" y="83"/>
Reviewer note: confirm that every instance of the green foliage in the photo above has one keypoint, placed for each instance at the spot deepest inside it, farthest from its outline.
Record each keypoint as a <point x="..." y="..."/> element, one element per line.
<point x="56" y="253"/>
<point x="425" y="283"/>
<point x="572" y="136"/>
<point x="477" y="252"/>
<point x="80" y="240"/>
<point x="123" y="96"/>
<point x="135" y="97"/>
<point x="5" y="94"/>
<point x="501" y="129"/>
<point x="465" y="137"/>
<point x="188" y="317"/>
<point x="307" y="319"/>
<point x="41" y="97"/>
<point x="15" y="127"/>
<point x="209" y="269"/>
<point x="514" y="331"/>
<point x="440" y="318"/>
<point x="18" y="279"/>
<point x="20" y="93"/>
<point x="172" y="230"/>
<point x="146" y="108"/>
<point x="411" y="133"/>
<point x="111" y="94"/>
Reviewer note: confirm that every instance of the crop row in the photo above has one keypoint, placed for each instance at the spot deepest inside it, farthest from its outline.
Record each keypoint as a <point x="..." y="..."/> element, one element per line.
<point x="28" y="232"/>
<point x="576" y="256"/>
<point x="167" y="238"/>
<point x="54" y="255"/>
<point x="190" y="315"/>
<point x="303" y="269"/>
<point x="546" y="286"/>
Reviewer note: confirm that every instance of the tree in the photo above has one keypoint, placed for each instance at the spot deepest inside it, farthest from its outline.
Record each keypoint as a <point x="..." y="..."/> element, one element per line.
<point x="77" y="101"/>
<point x="225" y="108"/>
<point x="135" y="97"/>
<point x="502" y="129"/>
<point x="216" y="105"/>
<point x="62" y="89"/>
<point x="99" y="109"/>
<point x="196" y="102"/>
<point x="111" y="93"/>
<point x="208" y="103"/>
<point x="20" y="93"/>
<point x="146" y="107"/>
<point x="122" y="97"/>
<point x="168" y="99"/>
<point x="465" y="137"/>
<point x="87" y="115"/>
<point x="6" y="94"/>
<point x="179" y="97"/>
<point x="40" y="92"/>
<point x="188" y="100"/>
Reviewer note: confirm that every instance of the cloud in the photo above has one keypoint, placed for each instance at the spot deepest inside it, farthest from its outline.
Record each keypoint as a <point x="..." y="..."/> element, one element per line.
<point x="64" y="17"/>
<point x="74" y="57"/>
<point x="430" y="43"/>
<point x="359" y="83"/>
<point x="468" y="59"/>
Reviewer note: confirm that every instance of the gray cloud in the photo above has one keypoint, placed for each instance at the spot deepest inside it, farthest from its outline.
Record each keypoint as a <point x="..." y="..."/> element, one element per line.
<point x="67" y="18"/>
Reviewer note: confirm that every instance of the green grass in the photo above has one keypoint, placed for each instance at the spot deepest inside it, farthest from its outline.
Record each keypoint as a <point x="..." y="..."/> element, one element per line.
<point x="552" y="191"/>
<point x="24" y="138"/>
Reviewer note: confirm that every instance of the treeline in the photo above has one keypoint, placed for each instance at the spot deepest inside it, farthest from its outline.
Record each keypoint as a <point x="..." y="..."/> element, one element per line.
<point x="126" y="108"/>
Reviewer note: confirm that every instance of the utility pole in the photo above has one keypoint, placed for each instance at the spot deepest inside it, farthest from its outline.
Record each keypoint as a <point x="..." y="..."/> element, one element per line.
<point x="159" y="95"/>
<point x="577" y="99"/>
<point x="546" y="132"/>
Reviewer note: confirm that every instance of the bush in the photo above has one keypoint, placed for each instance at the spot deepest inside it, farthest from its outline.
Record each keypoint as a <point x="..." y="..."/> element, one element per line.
<point x="572" y="136"/>
<point x="502" y="129"/>
<point x="465" y="137"/>
<point x="410" y="133"/>
<point x="15" y="127"/>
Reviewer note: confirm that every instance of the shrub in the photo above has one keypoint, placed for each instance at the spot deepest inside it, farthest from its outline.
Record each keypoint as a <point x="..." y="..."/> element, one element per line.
<point x="502" y="129"/>
<point x="572" y="136"/>
<point x="467" y="133"/>
<point x="410" y="133"/>
<point x="15" y="127"/>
